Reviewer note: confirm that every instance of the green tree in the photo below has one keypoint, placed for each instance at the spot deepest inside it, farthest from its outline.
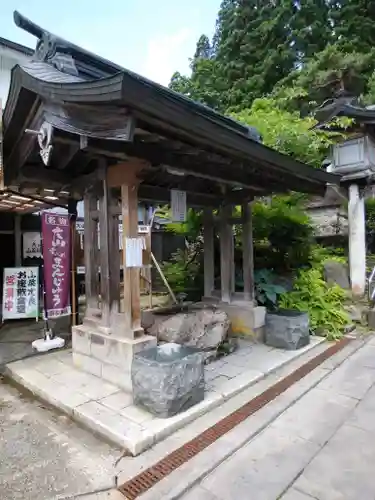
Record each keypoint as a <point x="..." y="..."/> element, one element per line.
<point x="332" y="70"/>
<point x="286" y="131"/>
<point x="202" y="85"/>
<point x="253" y="48"/>
<point x="353" y="24"/>
<point x="311" y="28"/>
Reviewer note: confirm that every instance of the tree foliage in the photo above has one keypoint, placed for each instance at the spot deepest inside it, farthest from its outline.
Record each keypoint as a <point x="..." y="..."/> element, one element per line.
<point x="286" y="131"/>
<point x="313" y="46"/>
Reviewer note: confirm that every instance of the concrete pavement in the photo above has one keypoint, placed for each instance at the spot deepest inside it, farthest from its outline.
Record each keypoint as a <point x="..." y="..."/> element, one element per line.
<point x="322" y="447"/>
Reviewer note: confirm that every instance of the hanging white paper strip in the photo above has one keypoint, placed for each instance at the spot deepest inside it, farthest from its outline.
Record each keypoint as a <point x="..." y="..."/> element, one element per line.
<point x="178" y="205"/>
<point x="134" y="247"/>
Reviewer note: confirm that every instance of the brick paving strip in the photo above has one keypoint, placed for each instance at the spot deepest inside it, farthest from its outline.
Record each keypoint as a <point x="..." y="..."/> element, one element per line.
<point x="148" y="478"/>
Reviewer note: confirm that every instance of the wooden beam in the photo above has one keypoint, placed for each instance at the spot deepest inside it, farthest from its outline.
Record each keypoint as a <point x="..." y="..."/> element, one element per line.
<point x="161" y="154"/>
<point x="54" y="178"/>
<point x="67" y="157"/>
<point x="126" y="172"/>
<point x="24" y="144"/>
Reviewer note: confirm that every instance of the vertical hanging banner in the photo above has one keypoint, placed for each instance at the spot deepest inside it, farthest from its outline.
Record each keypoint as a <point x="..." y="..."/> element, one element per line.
<point x="20" y="293"/>
<point x="178" y="205"/>
<point x="56" y="255"/>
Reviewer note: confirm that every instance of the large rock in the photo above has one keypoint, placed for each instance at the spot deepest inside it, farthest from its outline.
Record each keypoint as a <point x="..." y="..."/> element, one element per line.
<point x="168" y="379"/>
<point x="287" y="329"/>
<point x="336" y="273"/>
<point x="203" y="328"/>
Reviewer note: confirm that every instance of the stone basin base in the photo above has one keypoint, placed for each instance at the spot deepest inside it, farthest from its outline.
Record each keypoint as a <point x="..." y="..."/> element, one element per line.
<point x="287" y="329"/>
<point x="168" y="379"/>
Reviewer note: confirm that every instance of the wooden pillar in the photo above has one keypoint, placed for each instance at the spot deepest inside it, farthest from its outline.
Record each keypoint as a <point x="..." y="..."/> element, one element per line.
<point x="225" y="253"/>
<point x="90" y="244"/>
<point x="232" y="263"/>
<point x="247" y="252"/>
<point x="209" y="254"/>
<point x="132" y="305"/>
<point x="17" y="240"/>
<point x="109" y="255"/>
<point x="125" y="177"/>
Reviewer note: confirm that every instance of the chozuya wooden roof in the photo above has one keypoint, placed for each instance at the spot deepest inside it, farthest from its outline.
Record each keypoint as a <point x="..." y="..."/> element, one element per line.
<point x="95" y="108"/>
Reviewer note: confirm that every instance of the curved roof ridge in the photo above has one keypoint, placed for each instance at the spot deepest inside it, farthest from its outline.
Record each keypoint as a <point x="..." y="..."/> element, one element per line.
<point x="92" y="65"/>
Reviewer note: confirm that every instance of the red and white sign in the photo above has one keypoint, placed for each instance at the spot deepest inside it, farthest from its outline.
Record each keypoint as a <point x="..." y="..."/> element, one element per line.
<point x="57" y="257"/>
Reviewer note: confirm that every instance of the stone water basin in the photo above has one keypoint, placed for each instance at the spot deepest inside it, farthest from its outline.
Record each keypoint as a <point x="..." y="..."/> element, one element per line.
<point x="168" y="379"/>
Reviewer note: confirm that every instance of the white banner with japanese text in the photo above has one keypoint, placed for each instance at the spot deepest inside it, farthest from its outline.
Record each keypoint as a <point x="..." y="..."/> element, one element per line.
<point x="20" y="293"/>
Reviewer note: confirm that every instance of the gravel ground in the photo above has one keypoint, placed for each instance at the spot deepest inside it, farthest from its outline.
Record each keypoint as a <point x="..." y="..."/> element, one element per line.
<point x="44" y="455"/>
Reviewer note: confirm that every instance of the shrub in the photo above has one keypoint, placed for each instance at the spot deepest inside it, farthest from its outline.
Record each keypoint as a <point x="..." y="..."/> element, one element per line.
<point x="370" y="224"/>
<point x="267" y="292"/>
<point x="320" y="254"/>
<point x="282" y="234"/>
<point x="182" y="272"/>
<point x="323" y="303"/>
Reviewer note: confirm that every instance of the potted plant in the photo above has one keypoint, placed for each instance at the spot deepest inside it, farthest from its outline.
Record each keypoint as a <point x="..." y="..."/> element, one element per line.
<point x="285" y="328"/>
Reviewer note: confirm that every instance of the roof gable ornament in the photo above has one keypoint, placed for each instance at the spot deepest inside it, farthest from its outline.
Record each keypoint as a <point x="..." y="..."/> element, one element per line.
<point x="49" y="48"/>
<point x="45" y="135"/>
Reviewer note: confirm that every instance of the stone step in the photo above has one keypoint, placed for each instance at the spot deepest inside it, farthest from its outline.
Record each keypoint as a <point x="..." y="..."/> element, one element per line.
<point x="182" y="479"/>
<point x="130" y="467"/>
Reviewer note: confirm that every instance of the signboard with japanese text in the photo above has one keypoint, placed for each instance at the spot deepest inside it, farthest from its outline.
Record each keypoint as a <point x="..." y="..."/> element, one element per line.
<point x="142" y="229"/>
<point x="20" y="293"/>
<point x="57" y="257"/>
<point x="178" y="205"/>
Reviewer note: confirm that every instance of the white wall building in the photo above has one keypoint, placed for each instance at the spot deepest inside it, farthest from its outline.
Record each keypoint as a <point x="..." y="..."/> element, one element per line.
<point x="10" y="54"/>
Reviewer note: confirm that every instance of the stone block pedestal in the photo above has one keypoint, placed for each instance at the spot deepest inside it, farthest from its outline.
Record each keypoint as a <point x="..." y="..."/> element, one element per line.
<point x="107" y="356"/>
<point x="246" y="319"/>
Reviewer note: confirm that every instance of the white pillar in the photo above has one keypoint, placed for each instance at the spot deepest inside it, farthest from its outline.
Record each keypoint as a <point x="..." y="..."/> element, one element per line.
<point x="357" y="240"/>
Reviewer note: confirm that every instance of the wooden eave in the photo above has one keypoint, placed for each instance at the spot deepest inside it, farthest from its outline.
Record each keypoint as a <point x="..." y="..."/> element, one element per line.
<point x="216" y="156"/>
<point x="167" y="133"/>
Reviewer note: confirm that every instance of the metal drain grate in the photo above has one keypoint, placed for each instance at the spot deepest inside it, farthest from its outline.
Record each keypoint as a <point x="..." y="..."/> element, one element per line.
<point x="139" y="484"/>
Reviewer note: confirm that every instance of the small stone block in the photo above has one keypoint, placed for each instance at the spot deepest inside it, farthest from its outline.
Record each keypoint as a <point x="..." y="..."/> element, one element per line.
<point x="168" y="379"/>
<point x="287" y="330"/>
<point x="371" y="319"/>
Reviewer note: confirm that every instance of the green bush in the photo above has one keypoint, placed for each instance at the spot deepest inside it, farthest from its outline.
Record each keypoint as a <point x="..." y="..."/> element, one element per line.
<point x="323" y="303"/>
<point x="183" y="272"/>
<point x="267" y="291"/>
<point x="370" y="224"/>
<point x="282" y="234"/>
<point x="319" y="254"/>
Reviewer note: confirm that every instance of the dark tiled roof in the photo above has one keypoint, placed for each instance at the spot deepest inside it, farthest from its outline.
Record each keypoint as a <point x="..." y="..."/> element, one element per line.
<point x="16" y="46"/>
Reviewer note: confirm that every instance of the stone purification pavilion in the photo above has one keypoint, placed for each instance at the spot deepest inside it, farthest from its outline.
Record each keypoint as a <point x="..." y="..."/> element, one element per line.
<point x="91" y="130"/>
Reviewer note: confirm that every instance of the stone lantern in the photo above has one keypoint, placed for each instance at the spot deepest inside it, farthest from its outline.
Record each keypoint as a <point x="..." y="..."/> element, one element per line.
<point x="354" y="160"/>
